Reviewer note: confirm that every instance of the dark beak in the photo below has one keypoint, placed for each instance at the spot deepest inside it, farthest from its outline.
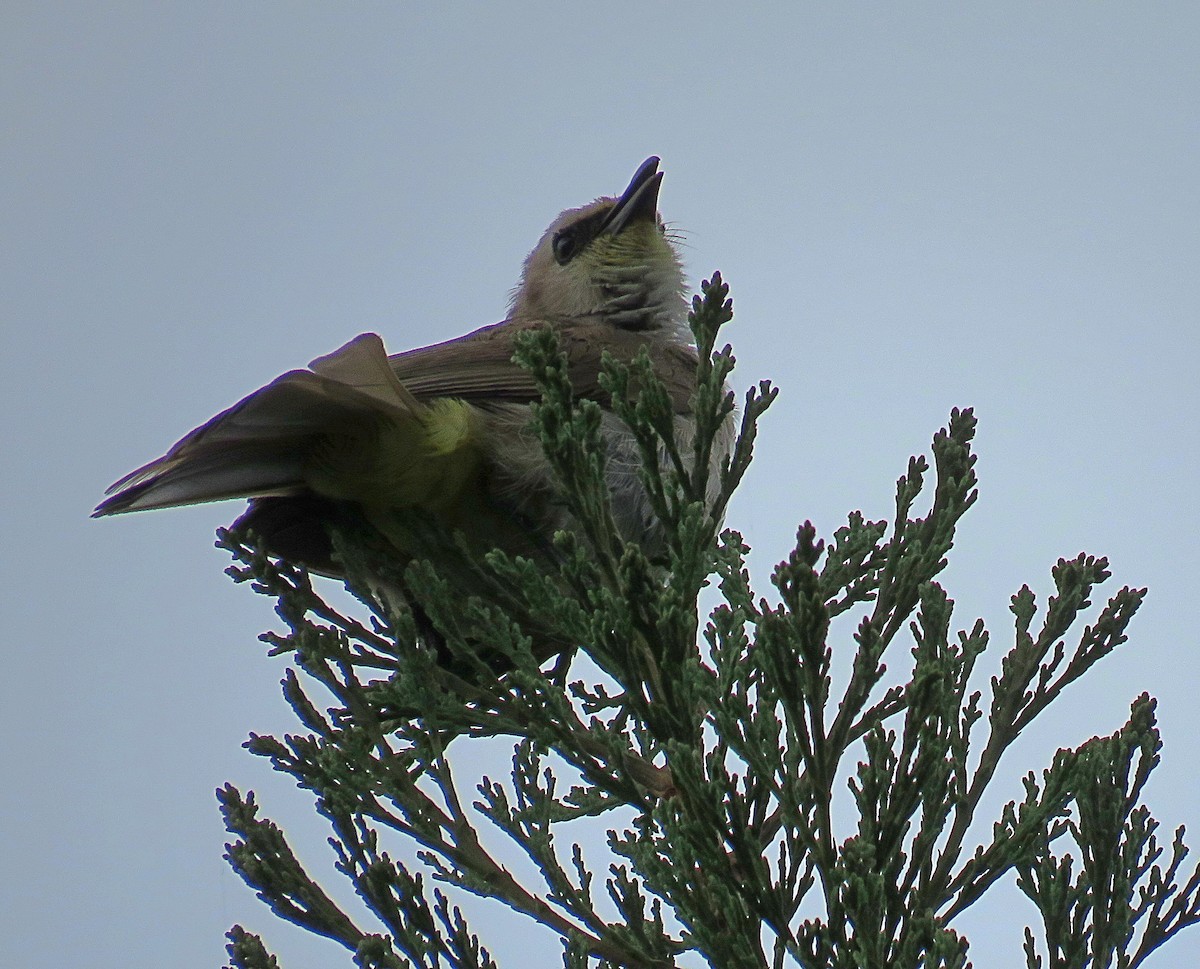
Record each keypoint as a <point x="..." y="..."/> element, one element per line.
<point x="639" y="201"/>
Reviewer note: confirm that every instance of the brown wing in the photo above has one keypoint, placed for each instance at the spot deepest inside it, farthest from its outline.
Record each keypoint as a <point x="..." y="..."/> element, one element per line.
<point x="479" y="366"/>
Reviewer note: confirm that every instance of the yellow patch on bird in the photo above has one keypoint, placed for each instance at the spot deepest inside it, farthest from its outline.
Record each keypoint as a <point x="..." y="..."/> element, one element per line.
<point x="429" y="461"/>
<point x="448" y="425"/>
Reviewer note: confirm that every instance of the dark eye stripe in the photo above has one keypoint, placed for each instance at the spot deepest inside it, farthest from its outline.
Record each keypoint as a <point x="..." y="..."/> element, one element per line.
<point x="571" y="240"/>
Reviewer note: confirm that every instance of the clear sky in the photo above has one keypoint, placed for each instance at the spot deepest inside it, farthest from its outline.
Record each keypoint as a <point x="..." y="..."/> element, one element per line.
<point x="918" y="206"/>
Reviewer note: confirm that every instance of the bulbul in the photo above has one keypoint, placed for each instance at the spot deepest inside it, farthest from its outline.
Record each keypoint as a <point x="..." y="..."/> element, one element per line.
<point x="444" y="431"/>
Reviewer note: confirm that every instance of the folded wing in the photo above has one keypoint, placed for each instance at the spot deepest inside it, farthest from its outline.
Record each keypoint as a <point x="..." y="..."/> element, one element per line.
<point x="318" y="431"/>
<point x="262" y="445"/>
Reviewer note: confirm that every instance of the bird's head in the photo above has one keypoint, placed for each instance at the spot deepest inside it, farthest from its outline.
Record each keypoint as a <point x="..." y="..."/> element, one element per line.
<point x="612" y="258"/>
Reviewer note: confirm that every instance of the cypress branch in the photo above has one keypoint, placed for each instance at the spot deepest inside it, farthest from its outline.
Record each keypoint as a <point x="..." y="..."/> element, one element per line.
<point x="713" y="747"/>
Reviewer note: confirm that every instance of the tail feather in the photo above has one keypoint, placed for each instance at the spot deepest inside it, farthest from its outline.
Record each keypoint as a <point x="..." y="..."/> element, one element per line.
<point x="211" y="478"/>
<point x="256" y="448"/>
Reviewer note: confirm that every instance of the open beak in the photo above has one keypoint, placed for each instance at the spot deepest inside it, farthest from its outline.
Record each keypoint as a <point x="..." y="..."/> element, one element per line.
<point x="639" y="200"/>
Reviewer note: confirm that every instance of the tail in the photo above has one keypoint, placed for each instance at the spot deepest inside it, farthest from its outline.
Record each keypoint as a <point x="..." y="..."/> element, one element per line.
<point x="257" y="448"/>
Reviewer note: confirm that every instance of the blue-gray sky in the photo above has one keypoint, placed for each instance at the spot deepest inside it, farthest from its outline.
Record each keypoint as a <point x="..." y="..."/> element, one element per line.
<point x="918" y="206"/>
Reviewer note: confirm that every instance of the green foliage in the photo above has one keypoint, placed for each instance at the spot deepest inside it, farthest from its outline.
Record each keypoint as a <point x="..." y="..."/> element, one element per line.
<point x="715" y="752"/>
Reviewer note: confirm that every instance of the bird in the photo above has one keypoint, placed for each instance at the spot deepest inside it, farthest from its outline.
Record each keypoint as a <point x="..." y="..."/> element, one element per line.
<point x="443" y="432"/>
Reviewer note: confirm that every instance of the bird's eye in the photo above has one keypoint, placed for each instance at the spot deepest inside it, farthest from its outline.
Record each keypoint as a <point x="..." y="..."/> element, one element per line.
<point x="564" y="247"/>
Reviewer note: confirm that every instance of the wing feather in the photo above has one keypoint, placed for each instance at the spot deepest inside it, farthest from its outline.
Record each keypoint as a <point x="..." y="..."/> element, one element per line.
<point x="480" y="365"/>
